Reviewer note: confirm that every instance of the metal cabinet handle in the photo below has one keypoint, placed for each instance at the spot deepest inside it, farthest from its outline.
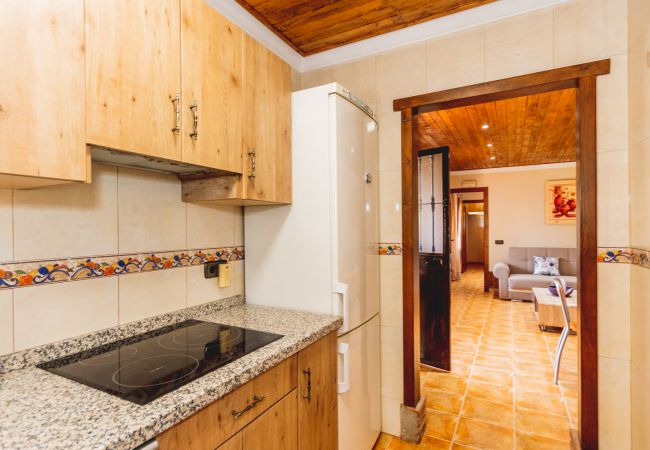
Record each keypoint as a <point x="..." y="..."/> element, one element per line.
<point x="253" y="404"/>
<point x="195" y="122"/>
<point x="308" y="373"/>
<point x="251" y="156"/>
<point x="177" y="111"/>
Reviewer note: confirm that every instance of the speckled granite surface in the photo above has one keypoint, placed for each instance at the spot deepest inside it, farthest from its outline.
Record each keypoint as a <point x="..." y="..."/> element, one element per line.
<point x="40" y="410"/>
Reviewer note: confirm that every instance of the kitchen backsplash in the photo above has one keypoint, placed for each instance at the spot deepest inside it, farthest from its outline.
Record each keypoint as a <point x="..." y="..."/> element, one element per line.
<point x="138" y="224"/>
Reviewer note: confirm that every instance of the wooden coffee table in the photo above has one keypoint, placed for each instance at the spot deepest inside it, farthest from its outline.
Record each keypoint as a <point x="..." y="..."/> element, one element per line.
<point x="548" y="309"/>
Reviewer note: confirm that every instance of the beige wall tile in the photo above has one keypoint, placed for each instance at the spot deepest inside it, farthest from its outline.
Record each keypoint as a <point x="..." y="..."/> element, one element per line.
<point x="392" y="379"/>
<point x="638" y="29"/>
<point x="390" y="416"/>
<point x="390" y="206"/>
<point x="612" y="106"/>
<point x="68" y="220"/>
<point x="6" y="225"/>
<point x="6" y="321"/>
<point x="401" y="73"/>
<point x="639" y="98"/>
<point x="613" y="194"/>
<point x="390" y="136"/>
<point x="519" y="45"/>
<point x="614" y="310"/>
<point x="456" y="60"/>
<point x="148" y="294"/>
<point x="239" y="226"/>
<point x="201" y="290"/>
<point x="152" y="216"/>
<point x="640" y="376"/>
<point x="588" y="30"/>
<point x="358" y="76"/>
<point x="210" y="226"/>
<point x="238" y="280"/>
<point x="390" y="290"/>
<point x="316" y="78"/>
<point x="58" y="311"/>
<point x="613" y="404"/>
<point x="639" y="314"/>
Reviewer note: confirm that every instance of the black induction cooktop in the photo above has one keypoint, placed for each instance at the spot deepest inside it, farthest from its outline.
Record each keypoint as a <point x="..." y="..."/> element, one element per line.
<point x="144" y="367"/>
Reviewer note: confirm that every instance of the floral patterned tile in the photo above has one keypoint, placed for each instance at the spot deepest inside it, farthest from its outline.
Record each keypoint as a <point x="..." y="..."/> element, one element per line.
<point x="641" y="257"/>
<point x="614" y="255"/>
<point x="32" y="273"/>
<point x="390" y="249"/>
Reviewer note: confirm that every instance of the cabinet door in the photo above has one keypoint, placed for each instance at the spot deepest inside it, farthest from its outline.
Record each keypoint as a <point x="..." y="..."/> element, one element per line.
<point x="275" y="429"/>
<point x="234" y="443"/>
<point x="318" y="395"/>
<point x="42" y="92"/>
<point x="133" y="75"/>
<point x="267" y="130"/>
<point x="212" y="88"/>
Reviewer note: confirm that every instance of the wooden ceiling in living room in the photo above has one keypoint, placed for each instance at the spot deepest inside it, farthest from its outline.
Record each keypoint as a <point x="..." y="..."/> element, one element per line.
<point x="528" y="130"/>
<point x="313" y="26"/>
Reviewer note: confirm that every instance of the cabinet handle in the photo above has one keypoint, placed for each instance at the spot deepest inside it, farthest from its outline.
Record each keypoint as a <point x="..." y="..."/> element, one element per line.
<point x="195" y="122"/>
<point x="177" y="111"/>
<point x="251" y="156"/>
<point x="253" y="404"/>
<point x="308" y="373"/>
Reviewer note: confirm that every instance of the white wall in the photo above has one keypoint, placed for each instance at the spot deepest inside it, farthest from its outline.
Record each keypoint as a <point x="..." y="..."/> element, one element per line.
<point x="516" y="209"/>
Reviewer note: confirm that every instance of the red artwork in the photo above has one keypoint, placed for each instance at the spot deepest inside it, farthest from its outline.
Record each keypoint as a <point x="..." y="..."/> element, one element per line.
<point x="561" y="202"/>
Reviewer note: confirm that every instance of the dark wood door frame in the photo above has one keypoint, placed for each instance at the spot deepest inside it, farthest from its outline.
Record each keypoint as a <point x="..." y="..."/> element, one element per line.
<point x="582" y="77"/>
<point x="487" y="275"/>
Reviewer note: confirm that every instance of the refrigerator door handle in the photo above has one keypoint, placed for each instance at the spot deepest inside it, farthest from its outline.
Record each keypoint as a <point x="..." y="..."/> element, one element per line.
<point x="342" y="304"/>
<point x="343" y="349"/>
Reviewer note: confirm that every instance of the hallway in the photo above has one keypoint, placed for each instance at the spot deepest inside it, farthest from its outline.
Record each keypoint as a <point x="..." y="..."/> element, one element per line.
<point x="500" y="393"/>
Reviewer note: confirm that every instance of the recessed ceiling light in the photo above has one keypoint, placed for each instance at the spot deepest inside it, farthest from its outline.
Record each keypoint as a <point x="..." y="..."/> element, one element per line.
<point x="493" y="157"/>
<point x="485" y="126"/>
<point x="490" y="145"/>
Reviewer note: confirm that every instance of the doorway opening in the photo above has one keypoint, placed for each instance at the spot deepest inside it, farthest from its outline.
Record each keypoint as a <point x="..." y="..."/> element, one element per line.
<point x="582" y="78"/>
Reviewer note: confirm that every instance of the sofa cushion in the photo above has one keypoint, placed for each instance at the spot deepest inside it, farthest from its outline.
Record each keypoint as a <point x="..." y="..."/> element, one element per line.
<point x="529" y="281"/>
<point x="546" y="265"/>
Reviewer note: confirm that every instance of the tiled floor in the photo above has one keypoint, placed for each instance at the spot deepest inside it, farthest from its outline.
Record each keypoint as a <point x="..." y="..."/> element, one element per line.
<point x="500" y="393"/>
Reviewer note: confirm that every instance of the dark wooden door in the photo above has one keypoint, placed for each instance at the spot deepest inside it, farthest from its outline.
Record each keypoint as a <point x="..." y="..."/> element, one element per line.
<point x="435" y="281"/>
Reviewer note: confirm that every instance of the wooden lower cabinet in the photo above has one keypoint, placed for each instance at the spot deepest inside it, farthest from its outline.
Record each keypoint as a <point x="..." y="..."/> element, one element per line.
<point x="275" y="411"/>
<point x="318" y="399"/>
<point x="276" y="429"/>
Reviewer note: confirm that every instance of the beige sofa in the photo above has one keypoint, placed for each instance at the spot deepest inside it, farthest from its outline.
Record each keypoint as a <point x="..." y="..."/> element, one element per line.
<point x="516" y="279"/>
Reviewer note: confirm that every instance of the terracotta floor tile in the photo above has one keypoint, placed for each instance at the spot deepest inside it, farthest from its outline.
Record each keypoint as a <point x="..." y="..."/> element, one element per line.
<point x="484" y="435"/>
<point x="532" y="385"/>
<point x="460" y="369"/>
<point x="534" y="400"/>
<point x="488" y="411"/>
<point x="432" y="443"/>
<point x="462" y="357"/>
<point x="533" y="442"/>
<point x="491" y="375"/>
<point x="442" y="401"/>
<point x="496" y="362"/>
<point x="533" y="370"/>
<point x="489" y="391"/>
<point x="542" y="424"/>
<point x="444" y="382"/>
<point x="440" y="425"/>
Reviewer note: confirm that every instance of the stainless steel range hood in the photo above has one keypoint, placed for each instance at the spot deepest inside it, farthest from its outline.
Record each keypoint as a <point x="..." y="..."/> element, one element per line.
<point x="125" y="159"/>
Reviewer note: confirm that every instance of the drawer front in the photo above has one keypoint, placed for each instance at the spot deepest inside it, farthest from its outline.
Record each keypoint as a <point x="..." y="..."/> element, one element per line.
<point x="213" y="425"/>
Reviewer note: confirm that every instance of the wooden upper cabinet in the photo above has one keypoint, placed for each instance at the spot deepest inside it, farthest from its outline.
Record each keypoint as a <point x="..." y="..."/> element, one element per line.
<point x="133" y="76"/>
<point x="318" y="395"/>
<point x="275" y="429"/>
<point x="212" y="88"/>
<point x="42" y="133"/>
<point x="267" y="125"/>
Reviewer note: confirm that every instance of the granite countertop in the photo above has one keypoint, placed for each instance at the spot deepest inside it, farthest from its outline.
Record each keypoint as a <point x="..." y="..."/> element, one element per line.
<point x="41" y="410"/>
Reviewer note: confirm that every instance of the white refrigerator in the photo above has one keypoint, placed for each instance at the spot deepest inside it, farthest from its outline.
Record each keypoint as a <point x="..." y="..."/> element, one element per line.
<point x="320" y="253"/>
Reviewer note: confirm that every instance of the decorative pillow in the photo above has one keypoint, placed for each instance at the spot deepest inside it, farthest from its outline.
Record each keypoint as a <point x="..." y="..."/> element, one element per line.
<point x="546" y="265"/>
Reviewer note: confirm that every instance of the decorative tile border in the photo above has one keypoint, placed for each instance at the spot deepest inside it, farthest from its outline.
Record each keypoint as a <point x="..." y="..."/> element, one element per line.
<point x="390" y="249"/>
<point x="33" y="273"/>
<point x="625" y="255"/>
